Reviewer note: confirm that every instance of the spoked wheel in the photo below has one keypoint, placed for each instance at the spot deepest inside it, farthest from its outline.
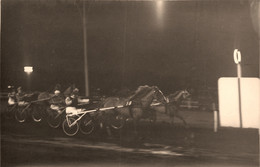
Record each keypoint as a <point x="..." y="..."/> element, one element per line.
<point x="37" y="115"/>
<point x="87" y="125"/>
<point x="10" y="111"/>
<point x="20" y="114"/>
<point x="118" y="122"/>
<point x="68" y="129"/>
<point x="54" y="119"/>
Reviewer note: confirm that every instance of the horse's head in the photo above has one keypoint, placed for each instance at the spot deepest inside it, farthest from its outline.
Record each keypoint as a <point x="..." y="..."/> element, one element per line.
<point x="185" y="94"/>
<point x="178" y="96"/>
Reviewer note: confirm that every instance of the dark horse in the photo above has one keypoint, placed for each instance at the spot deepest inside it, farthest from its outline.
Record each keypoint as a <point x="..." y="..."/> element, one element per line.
<point x="45" y="99"/>
<point x="140" y="106"/>
<point x="42" y="104"/>
<point x="172" y="106"/>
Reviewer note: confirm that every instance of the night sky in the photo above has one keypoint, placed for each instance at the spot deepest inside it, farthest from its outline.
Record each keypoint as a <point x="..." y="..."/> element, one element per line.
<point x="171" y="44"/>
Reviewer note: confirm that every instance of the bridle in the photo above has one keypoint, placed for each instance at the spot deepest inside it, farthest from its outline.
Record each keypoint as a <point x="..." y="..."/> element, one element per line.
<point x="156" y="91"/>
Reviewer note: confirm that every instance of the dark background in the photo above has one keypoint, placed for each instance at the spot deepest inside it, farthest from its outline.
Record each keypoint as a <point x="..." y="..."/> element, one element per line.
<point x="171" y="44"/>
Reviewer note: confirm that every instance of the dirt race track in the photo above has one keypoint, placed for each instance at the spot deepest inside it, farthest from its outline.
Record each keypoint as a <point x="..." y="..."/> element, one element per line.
<point x="36" y="144"/>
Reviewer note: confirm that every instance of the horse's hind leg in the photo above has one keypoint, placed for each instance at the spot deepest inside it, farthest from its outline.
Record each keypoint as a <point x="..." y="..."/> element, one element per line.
<point x="105" y="121"/>
<point x="172" y="120"/>
<point x="152" y="125"/>
<point x="135" y="121"/>
<point x="170" y="112"/>
<point x="152" y="115"/>
<point x="108" y="130"/>
<point x="181" y="118"/>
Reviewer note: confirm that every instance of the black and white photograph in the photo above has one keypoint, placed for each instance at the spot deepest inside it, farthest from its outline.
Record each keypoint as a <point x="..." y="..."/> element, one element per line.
<point x="130" y="83"/>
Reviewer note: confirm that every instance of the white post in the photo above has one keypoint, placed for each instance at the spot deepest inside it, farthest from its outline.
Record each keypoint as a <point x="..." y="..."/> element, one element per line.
<point x="215" y="117"/>
<point x="85" y="50"/>
<point x="237" y="59"/>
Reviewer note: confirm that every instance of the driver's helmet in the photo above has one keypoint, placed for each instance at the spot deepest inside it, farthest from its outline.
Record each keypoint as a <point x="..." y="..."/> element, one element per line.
<point x="56" y="92"/>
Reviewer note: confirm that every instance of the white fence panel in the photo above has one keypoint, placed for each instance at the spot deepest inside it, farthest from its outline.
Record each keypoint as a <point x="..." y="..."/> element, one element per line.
<point x="229" y="102"/>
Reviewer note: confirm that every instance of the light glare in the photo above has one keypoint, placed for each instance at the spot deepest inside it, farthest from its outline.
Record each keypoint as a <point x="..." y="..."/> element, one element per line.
<point x="159" y="12"/>
<point x="28" y="69"/>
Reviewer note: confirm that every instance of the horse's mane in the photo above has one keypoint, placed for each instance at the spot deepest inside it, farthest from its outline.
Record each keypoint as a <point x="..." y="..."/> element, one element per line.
<point x="141" y="92"/>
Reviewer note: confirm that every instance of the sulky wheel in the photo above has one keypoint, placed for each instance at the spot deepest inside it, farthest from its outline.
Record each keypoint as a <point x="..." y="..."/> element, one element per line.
<point x="117" y="122"/>
<point x="87" y="125"/>
<point x="10" y="111"/>
<point x="68" y="129"/>
<point x="54" y="119"/>
<point x="36" y="114"/>
<point x="20" y="114"/>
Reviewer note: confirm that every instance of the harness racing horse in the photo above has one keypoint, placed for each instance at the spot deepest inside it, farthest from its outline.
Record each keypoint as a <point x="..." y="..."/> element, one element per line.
<point x="171" y="108"/>
<point x="52" y="107"/>
<point x="69" y="90"/>
<point x="42" y="104"/>
<point x="138" y="109"/>
<point x="45" y="98"/>
<point x="26" y="106"/>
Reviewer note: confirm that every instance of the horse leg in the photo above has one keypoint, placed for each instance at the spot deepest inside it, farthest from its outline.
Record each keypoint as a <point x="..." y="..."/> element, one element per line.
<point x="108" y="131"/>
<point x="108" y="125"/>
<point x="152" y="118"/>
<point x="170" y="112"/>
<point x="172" y="120"/>
<point x="181" y="118"/>
<point x="105" y="121"/>
<point x="135" y="121"/>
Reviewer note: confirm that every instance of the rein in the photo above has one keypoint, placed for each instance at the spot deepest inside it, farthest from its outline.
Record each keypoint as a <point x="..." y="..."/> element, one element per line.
<point x="177" y="95"/>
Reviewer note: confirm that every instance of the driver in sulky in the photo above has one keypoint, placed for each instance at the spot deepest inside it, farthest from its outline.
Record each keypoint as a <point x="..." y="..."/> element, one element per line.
<point x="57" y="101"/>
<point x="21" y="97"/>
<point x="12" y="97"/>
<point x="73" y="102"/>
